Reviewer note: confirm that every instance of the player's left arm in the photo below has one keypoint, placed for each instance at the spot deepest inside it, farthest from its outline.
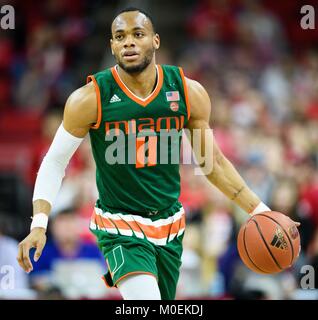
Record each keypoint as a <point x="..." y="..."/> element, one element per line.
<point x="222" y="174"/>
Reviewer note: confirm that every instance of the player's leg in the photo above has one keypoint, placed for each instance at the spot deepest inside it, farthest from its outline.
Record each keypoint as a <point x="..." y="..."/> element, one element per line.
<point x="139" y="287"/>
<point x="130" y="260"/>
<point x="168" y="265"/>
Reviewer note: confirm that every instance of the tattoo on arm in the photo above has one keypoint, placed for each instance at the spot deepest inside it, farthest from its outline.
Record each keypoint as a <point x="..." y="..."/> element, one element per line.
<point x="237" y="193"/>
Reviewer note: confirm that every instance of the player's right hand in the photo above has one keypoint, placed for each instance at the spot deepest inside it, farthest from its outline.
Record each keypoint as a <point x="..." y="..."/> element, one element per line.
<point x="36" y="239"/>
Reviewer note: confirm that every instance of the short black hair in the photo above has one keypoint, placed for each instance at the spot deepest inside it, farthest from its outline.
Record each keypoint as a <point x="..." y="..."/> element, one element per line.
<point x="130" y="9"/>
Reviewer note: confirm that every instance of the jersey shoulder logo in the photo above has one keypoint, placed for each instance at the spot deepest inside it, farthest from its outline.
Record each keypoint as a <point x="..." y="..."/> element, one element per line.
<point x="114" y="98"/>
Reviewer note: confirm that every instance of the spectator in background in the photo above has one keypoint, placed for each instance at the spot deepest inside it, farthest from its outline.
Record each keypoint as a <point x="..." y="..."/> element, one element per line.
<point x="19" y="288"/>
<point x="6" y="58"/>
<point x="313" y="258"/>
<point x="309" y="197"/>
<point x="262" y="29"/>
<point x="308" y="279"/>
<point x="69" y="264"/>
<point x="49" y="124"/>
<point x="276" y="87"/>
<point x="213" y="20"/>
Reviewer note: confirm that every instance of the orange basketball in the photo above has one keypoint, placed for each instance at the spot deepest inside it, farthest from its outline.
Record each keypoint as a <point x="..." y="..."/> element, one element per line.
<point x="268" y="242"/>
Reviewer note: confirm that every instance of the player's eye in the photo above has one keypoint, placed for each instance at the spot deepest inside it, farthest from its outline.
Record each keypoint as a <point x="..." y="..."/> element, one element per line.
<point x="139" y="34"/>
<point x="119" y="37"/>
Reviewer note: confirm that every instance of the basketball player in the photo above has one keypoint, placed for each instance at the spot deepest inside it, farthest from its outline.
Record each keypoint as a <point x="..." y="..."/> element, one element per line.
<point x="138" y="221"/>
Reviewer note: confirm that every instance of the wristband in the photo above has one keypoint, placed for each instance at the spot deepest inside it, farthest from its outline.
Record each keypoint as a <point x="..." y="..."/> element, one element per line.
<point x="39" y="220"/>
<point x="261" y="207"/>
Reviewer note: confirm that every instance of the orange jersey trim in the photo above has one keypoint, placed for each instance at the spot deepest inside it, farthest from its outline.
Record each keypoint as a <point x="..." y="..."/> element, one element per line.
<point x="148" y="231"/>
<point x="186" y="93"/>
<point x="142" y="102"/>
<point x="102" y="222"/>
<point x="99" y="104"/>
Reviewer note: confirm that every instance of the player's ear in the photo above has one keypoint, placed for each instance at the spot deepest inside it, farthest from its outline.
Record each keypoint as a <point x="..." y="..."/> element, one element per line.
<point x="156" y="41"/>
<point x="111" y="46"/>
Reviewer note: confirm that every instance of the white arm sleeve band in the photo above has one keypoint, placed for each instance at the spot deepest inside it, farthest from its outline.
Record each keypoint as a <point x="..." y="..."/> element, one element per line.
<point x="261" y="207"/>
<point x="52" y="169"/>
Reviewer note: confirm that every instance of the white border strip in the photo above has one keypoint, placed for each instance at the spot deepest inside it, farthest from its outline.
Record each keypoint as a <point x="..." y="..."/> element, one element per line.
<point x="144" y="221"/>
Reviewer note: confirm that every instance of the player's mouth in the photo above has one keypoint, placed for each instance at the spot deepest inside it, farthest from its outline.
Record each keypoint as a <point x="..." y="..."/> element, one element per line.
<point x="130" y="55"/>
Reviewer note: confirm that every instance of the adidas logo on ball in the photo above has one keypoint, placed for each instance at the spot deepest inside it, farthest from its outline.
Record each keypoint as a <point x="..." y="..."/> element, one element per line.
<point x="279" y="240"/>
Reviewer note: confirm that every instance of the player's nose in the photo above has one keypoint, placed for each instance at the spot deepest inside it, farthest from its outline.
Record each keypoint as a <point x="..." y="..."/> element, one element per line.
<point x="129" y="42"/>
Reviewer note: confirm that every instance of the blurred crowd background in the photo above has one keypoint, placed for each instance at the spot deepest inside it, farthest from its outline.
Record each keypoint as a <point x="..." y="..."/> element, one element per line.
<point x="261" y="72"/>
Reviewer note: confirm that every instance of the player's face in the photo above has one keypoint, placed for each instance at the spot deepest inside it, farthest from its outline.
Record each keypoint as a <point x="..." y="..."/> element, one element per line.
<point x="133" y="41"/>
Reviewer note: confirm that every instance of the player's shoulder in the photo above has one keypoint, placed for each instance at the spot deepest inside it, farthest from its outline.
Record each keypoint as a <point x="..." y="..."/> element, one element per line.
<point x="82" y="97"/>
<point x="196" y="89"/>
<point x="199" y="99"/>
<point x="82" y="103"/>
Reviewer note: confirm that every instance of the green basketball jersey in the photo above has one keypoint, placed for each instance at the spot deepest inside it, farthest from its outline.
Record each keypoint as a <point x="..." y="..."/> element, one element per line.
<point x="137" y="159"/>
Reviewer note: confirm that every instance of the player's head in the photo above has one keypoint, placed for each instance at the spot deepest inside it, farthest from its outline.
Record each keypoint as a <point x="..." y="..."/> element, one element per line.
<point x="134" y="40"/>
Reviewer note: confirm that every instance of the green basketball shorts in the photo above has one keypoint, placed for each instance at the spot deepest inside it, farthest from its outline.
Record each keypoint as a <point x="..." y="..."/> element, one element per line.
<point x="132" y="244"/>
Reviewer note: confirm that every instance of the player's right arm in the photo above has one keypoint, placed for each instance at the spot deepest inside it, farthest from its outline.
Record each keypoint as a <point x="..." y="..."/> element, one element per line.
<point x="80" y="113"/>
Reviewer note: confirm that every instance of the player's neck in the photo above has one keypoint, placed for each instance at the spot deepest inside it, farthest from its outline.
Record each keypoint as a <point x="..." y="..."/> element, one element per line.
<point x="141" y="84"/>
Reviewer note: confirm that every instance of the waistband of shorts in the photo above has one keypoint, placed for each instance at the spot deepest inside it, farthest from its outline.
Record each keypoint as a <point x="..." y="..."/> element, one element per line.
<point x="166" y="212"/>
